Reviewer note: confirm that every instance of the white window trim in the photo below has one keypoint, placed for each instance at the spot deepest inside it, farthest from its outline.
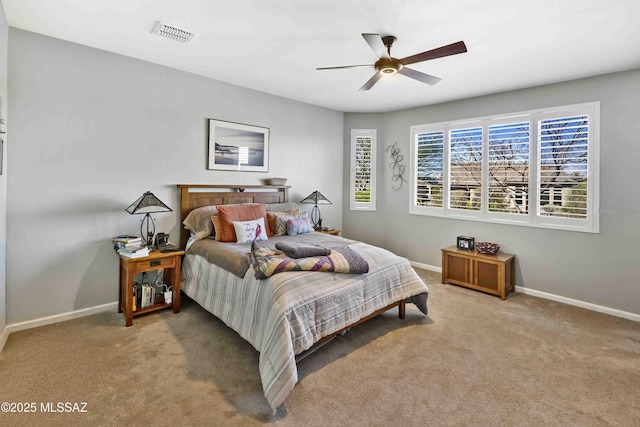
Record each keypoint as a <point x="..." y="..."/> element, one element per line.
<point x="353" y="204"/>
<point x="532" y="219"/>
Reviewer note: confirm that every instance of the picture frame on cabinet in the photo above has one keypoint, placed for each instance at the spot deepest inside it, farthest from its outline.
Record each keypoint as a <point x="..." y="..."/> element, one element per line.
<point x="465" y="243"/>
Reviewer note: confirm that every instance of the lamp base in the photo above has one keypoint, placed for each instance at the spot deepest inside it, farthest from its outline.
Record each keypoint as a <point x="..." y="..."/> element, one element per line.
<point x="151" y="231"/>
<point x="316" y="219"/>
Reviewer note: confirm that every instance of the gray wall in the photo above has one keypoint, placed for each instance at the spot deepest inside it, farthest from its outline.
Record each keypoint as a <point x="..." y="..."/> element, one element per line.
<point x="4" y="37"/>
<point x="91" y="131"/>
<point x="602" y="269"/>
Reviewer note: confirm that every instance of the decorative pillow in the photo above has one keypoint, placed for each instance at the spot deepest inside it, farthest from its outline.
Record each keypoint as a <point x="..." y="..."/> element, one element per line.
<point x="281" y="222"/>
<point x="248" y="231"/>
<point x="271" y="219"/>
<point x="217" y="225"/>
<point x="298" y="226"/>
<point x="199" y="221"/>
<point x="230" y="213"/>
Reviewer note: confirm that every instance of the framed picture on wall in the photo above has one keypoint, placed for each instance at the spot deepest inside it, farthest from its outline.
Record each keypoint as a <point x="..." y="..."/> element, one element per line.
<point x="238" y="147"/>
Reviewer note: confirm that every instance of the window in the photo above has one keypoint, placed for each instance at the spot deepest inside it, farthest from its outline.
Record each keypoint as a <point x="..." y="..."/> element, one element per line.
<point x="430" y="168"/>
<point x="537" y="168"/>
<point x="363" y="169"/>
<point x="508" y="166"/>
<point x="465" y="168"/>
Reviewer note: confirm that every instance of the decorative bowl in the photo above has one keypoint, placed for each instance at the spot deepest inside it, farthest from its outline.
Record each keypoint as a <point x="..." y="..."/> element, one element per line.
<point x="487" y="248"/>
<point x="275" y="181"/>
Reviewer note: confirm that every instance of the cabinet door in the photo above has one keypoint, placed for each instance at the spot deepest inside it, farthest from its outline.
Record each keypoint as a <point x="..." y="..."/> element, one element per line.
<point x="459" y="269"/>
<point x="488" y="275"/>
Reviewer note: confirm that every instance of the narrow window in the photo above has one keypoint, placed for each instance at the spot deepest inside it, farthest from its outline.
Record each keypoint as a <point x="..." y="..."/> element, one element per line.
<point x="363" y="169"/>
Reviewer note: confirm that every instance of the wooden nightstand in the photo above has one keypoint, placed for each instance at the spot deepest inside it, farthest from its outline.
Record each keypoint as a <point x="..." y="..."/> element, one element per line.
<point x="494" y="274"/>
<point x="332" y="231"/>
<point x="129" y="267"/>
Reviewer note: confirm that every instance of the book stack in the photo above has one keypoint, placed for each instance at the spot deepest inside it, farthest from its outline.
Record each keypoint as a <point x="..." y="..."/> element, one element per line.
<point x="134" y="251"/>
<point x="125" y="240"/>
<point x="130" y="246"/>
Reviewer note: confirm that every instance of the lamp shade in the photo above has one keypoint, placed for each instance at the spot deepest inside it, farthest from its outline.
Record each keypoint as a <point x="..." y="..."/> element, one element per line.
<point x="148" y="203"/>
<point x="316" y="198"/>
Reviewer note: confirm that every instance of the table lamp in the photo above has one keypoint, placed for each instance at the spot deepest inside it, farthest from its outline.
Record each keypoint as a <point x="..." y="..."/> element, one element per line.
<point x="147" y="204"/>
<point x="316" y="198"/>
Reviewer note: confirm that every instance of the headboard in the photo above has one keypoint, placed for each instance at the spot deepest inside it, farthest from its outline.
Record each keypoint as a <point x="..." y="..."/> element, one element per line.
<point x="197" y="195"/>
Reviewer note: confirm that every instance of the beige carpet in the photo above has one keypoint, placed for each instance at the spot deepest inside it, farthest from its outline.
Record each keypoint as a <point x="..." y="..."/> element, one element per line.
<point x="475" y="360"/>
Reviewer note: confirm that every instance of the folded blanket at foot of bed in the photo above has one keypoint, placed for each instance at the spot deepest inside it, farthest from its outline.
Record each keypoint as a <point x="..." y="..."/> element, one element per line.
<point x="342" y="259"/>
<point x="302" y="250"/>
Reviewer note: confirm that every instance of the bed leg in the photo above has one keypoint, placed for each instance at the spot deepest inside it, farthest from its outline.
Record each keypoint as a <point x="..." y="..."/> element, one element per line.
<point x="401" y="309"/>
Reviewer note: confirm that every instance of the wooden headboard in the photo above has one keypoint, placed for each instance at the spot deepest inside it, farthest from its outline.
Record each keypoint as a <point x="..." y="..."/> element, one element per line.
<point x="197" y="195"/>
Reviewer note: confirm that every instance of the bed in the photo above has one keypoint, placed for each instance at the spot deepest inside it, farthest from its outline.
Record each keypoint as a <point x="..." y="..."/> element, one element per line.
<point x="290" y="313"/>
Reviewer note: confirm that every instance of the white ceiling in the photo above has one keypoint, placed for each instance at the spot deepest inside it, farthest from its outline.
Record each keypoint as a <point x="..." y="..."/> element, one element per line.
<point x="274" y="46"/>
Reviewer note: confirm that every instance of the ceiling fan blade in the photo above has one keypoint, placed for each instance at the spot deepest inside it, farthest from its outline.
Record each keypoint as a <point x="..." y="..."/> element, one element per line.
<point x="373" y="80"/>
<point x="451" y="49"/>
<point x="420" y="76"/>
<point x="343" y="66"/>
<point x="376" y="44"/>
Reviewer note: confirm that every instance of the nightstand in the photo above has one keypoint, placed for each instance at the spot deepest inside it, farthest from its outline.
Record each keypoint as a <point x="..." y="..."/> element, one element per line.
<point x="332" y="231"/>
<point x="129" y="267"/>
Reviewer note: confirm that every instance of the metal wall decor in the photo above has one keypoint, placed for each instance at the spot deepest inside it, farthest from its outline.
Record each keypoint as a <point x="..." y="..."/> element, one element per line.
<point x="398" y="169"/>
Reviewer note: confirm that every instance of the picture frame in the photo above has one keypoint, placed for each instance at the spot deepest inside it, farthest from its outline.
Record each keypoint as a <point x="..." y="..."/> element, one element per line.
<point x="465" y="243"/>
<point x="238" y="147"/>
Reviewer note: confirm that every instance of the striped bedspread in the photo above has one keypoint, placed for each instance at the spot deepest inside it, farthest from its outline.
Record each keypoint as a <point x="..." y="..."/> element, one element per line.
<point x="288" y="312"/>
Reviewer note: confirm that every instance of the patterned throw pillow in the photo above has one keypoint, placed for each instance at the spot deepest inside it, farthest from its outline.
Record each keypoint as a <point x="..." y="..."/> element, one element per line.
<point x="271" y="219"/>
<point x="298" y="226"/>
<point x="281" y="222"/>
<point x="248" y="231"/>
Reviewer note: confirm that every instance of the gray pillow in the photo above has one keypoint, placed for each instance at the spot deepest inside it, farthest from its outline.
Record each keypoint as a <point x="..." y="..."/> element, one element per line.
<point x="199" y="221"/>
<point x="281" y="207"/>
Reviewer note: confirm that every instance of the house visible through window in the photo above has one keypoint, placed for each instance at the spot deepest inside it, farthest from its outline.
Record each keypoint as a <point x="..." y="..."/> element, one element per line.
<point x="363" y="169"/>
<point x="536" y="168"/>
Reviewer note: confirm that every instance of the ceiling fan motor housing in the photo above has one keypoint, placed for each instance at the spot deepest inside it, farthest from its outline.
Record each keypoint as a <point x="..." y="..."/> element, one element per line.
<point x="388" y="65"/>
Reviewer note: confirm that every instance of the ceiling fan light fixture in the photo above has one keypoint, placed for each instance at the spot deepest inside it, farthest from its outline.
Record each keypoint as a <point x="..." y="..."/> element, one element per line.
<point x="388" y="66"/>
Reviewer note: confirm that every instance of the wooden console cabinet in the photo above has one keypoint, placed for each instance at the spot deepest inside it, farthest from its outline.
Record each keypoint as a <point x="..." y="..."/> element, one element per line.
<point x="494" y="274"/>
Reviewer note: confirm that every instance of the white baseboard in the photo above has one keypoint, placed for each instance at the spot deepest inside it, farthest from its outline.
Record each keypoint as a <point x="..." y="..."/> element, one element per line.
<point x="426" y="266"/>
<point x="579" y="303"/>
<point x="528" y="291"/>
<point x="3" y="338"/>
<point x="20" y="326"/>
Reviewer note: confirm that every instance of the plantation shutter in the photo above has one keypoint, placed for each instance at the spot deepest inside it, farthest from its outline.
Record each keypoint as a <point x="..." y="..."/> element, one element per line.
<point x="465" y="168"/>
<point x="508" y="155"/>
<point x="430" y="169"/>
<point x="563" y="176"/>
<point x="363" y="152"/>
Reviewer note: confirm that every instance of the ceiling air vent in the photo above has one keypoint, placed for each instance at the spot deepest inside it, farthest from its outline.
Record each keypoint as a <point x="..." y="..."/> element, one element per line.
<point x="173" y="33"/>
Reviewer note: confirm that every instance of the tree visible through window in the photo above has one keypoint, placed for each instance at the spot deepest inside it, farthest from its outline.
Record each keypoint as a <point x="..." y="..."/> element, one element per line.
<point x="509" y="168"/>
<point x="563" y="152"/>
<point x="465" y="170"/>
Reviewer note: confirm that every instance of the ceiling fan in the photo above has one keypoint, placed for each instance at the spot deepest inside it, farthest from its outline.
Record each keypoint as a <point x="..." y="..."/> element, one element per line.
<point x="387" y="65"/>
